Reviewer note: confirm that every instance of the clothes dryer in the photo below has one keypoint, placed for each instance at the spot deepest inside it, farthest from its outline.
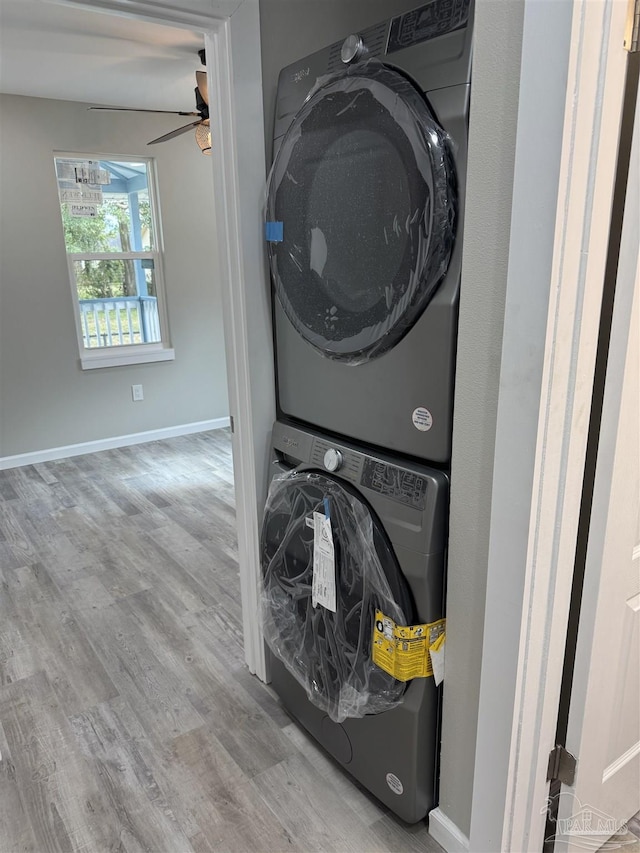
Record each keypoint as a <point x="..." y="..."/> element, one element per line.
<point x="388" y="532"/>
<point x="364" y="229"/>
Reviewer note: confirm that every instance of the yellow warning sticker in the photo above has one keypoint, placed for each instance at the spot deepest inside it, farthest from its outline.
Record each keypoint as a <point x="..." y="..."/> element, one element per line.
<point x="403" y="650"/>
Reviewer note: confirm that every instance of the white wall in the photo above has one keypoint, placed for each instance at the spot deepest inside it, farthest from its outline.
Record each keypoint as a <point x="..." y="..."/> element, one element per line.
<point x="46" y="400"/>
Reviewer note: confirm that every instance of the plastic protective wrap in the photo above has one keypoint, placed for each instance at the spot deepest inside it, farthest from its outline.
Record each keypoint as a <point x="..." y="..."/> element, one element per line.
<point x="329" y="653"/>
<point x="364" y="186"/>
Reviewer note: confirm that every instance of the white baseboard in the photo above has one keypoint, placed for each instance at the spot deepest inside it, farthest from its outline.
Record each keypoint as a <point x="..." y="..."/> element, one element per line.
<point x="52" y="453"/>
<point x="446" y="833"/>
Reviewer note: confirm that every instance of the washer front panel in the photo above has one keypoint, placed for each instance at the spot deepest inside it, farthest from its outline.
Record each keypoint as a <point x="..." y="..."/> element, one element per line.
<point x="327" y="648"/>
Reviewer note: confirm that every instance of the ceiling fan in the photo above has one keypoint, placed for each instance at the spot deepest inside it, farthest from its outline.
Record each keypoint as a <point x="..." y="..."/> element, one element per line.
<point x="202" y="126"/>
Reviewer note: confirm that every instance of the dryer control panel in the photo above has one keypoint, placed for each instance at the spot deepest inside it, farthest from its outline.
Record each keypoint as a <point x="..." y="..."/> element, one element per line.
<point x="445" y="62"/>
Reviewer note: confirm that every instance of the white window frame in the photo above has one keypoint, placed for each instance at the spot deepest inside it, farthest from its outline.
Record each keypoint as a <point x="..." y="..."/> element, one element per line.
<point x="140" y="353"/>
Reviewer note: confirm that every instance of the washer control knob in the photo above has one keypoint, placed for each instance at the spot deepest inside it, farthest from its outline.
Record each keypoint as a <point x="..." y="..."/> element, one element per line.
<point x="333" y="460"/>
<point x="352" y="48"/>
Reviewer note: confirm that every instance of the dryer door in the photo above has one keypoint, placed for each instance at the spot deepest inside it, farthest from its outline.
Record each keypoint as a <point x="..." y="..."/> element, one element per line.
<point x="327" y="651"/>
<point x="364" y="185"/>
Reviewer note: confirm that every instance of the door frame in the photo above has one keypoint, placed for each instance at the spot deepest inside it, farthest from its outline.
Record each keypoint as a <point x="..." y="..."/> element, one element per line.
<point x="232" y="43"/>
<point x="594" y="672"/>
<point x="527" y="602"/>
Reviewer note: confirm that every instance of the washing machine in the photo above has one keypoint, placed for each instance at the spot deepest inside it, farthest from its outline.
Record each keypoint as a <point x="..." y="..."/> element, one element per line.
<point x="388" y="532"/>
<point x="364" y="215"/>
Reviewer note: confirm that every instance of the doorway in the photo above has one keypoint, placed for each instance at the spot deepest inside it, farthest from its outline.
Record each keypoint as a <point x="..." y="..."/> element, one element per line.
<point x="231" y="41"/>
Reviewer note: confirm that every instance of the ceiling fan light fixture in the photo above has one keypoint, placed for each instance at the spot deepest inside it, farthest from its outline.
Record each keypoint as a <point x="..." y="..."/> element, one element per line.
<point x="203" y="136"/>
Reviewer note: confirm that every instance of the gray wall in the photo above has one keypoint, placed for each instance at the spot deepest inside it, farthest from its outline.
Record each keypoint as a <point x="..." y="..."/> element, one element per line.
<point x="46" y="399"/>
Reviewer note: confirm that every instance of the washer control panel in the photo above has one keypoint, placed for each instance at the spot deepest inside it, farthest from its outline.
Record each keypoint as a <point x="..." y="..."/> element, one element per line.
<point x="403" y="485"/>
<point x="427" y="22"/>
<point x="398" y="484"/>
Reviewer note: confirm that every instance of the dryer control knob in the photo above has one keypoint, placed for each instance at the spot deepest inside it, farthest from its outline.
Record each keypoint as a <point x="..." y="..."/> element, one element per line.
<point x="352" y="48"/>
<point x="333" y="460"/>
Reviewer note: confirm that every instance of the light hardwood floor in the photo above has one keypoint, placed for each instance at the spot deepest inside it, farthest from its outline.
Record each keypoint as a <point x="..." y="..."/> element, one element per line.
<point x="128" y="721"/>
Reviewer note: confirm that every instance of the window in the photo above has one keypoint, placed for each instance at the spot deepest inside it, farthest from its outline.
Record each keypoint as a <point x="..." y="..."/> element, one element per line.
<point x="111" y="233"/>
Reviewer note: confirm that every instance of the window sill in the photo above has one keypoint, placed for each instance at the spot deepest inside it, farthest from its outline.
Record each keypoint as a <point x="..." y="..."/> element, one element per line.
<point x="134" y="355"/>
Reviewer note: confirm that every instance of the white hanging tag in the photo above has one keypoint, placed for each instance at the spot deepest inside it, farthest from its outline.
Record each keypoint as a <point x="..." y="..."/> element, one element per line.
<point x="324" y="565"/>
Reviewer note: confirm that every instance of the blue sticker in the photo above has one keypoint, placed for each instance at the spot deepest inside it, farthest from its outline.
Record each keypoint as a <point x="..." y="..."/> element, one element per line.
<point x="326" y="507"/>
<point x="274" y="232"/>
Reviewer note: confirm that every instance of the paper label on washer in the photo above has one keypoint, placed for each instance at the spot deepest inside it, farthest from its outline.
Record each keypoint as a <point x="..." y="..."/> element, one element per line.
<point x="422" y="419"/>
<point x="323" y="588"/>
<point x="403" y="650"/>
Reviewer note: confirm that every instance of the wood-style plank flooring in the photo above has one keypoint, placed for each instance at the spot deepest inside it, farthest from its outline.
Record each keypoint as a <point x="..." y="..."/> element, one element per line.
<point x="128" y="721"/>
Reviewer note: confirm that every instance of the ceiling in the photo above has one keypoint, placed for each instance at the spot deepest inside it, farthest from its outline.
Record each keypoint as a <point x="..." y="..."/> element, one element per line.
<point x="51" y="51"/>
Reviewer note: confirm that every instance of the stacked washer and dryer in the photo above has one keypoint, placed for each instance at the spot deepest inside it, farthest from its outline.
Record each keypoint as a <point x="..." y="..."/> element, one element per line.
<point x="364" y="230"/>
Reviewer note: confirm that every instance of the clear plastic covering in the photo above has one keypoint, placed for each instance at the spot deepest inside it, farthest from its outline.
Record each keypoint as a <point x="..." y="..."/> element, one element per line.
<point x="329" y="653"/>
<point x="364" y="185"/>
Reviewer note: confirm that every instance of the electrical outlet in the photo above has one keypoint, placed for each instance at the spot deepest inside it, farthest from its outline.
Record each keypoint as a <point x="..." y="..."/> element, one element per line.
<point x="137" y="393"/>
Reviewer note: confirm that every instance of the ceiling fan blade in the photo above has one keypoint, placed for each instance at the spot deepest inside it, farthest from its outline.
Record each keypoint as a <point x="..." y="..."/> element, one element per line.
<point x="175" y="133"/>
<point x="134" y="110"/>
<point x="201" y="80"/>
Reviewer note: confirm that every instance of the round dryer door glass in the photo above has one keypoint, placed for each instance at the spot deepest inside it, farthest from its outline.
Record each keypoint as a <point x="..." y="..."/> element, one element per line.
<point x="327" y="567"/>
<point x="364" y="187"/>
